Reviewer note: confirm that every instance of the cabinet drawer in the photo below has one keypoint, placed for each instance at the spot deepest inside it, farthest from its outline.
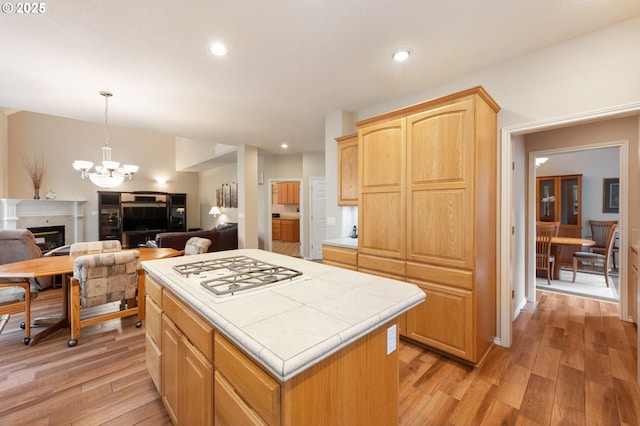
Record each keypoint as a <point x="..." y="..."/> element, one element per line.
<point x="340" y="255"/>
<point x="153" y="316"/>
<point x="382" y="266"/>
<point x="440" y="274"/>
<point x="229" y="408"/>
<point x="153" y="290"/>
<point x="153" y="361"/>
<point x="197" y="330"/>
<point x="261" y="392"/>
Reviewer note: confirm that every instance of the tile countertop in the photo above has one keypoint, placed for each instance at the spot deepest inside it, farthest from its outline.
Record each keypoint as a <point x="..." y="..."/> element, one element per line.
<point x="346" y="242"/>
<point x="289" y="327"/>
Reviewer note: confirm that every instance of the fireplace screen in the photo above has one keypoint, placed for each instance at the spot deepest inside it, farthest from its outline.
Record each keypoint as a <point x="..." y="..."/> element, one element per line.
<point x="48" y="237"/>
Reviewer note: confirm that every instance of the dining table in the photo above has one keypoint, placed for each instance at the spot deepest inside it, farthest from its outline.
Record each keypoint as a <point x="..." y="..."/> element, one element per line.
<point x="556" y="246"/>
<point x="63" y="265"/>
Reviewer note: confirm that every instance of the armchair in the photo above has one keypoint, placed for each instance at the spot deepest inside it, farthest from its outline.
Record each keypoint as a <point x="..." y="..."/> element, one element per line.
<point x="103" y="278"/>
<point x="16" y="294"/>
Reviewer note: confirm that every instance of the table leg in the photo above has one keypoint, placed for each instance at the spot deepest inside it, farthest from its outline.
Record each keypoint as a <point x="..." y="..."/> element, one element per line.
<point x="556" y="248"/>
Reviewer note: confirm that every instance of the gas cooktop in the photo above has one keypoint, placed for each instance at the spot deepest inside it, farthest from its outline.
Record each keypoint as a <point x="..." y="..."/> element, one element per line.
<point x="230" y="275"/>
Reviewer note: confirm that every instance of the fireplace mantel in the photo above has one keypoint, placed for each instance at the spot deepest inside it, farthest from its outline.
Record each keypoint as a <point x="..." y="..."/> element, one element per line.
<point x="17" y="213"/>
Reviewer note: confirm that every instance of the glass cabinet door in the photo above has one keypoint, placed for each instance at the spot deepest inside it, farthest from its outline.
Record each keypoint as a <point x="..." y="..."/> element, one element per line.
<point x="571" y="198"/>
<point x="547" y="200"/>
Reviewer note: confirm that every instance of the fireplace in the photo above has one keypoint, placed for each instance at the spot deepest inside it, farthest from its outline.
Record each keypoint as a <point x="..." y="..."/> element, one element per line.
<point x="48" y="237"/>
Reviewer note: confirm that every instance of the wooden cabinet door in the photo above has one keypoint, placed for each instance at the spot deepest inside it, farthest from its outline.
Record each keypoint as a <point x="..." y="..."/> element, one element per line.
<point x="440" y="179"/>
<point x="444" y="321"/>
<point x="348" y="170"/>
<point x="286" y="229"/>
<point x="293" y="192"/>
<point x="382" y="218"/>
<point x="276" y="229"/>
<point x="196" y="387"/>
<point x="169" y="372"/>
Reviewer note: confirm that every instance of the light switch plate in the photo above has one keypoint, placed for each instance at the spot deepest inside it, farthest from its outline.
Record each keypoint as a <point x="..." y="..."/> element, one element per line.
<point x="391" y="339"/>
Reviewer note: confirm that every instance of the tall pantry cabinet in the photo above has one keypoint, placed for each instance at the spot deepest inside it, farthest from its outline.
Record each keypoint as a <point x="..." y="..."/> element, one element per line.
<point x="428" y="215"/>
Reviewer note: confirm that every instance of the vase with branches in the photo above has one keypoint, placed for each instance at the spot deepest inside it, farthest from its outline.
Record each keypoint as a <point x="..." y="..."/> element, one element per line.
<point x="36" y="168"/>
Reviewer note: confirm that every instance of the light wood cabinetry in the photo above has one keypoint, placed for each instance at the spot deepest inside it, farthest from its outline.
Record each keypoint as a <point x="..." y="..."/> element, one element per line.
<point x="559" y="199"/>
<point x="242" y="389"/>
<point x="290" y="230"/>
<point x="276" y="229"/>
<point x="288" y="192"/>
<point x="427" y="214"/>
<point x="206" y="379"/>
<point x="153" y="325"/>
<point x="348" y="170"/>
<point x="341" y="257"/>
<point x="186" y="364"/>
<point x="285" y="230"/>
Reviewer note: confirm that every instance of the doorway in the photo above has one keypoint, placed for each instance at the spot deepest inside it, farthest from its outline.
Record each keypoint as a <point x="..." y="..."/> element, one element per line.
<point x="285" y="209"/>
<point x="585" y="168"/>
<point x="515" y="229"/>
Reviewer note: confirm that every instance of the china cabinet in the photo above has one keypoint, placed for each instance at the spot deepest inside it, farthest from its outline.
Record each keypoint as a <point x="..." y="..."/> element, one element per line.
<point x="559" y="199"/>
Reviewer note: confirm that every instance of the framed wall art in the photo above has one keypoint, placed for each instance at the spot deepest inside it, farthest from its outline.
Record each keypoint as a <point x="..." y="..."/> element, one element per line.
<point x="611" y="195"/>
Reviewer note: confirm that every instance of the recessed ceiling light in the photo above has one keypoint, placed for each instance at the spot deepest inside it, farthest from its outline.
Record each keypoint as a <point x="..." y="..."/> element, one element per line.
<point x="400" y="55"/>
<point x="284" y="146"/>
<point x="218" y="49"/>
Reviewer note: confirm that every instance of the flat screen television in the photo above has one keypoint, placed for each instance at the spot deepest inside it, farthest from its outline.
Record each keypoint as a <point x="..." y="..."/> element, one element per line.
<point x="144" y="218"/>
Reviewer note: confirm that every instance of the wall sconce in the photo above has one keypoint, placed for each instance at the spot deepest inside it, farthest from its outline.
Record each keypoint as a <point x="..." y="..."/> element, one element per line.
<point x="161" y="180"/>
<point x="215" y="211"/>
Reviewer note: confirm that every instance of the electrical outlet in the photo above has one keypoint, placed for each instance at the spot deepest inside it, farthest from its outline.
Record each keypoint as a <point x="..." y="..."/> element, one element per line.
<point x="391" y="339"/>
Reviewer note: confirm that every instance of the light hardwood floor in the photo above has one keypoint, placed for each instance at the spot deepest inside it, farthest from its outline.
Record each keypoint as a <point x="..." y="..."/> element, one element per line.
<point x="286" y="248"/>
<point x="572" y="362"/>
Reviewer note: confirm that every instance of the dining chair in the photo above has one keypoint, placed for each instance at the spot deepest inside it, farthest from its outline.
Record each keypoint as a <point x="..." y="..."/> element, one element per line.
<point x="196" y="245"/>
<point x="100" y="279"/>
<point x="545" y="231"/>
<point x="600" y="234"/>
<point x="16" y="294"/>
<point x="595" y="258"/>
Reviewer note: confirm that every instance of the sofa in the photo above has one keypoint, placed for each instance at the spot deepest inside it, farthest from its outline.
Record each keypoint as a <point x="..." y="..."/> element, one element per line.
<point x="223" y="237"/>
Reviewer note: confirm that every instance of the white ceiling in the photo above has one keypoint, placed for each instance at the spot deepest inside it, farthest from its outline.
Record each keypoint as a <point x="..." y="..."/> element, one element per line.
<point x="290" y="62"/>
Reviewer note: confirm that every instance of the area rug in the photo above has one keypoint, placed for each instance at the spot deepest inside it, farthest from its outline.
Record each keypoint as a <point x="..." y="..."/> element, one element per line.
<point x="587" y="285"/>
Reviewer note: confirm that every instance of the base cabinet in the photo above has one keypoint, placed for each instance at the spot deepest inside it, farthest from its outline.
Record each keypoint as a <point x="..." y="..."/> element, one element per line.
<point x="186" y="364"/>
<point x="341" y="257"/>
<point x="444" y="321"/>
<point x="205" y="379"/>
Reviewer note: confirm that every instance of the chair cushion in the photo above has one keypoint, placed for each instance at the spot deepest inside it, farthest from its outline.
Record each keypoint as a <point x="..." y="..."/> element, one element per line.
<point x="107" y="277"/>
<point x="588" y="255"/>
<point x="14" y="294"/>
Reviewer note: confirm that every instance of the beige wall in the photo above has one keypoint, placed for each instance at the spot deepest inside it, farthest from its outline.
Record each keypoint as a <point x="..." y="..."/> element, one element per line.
<point x="62" y="141"/>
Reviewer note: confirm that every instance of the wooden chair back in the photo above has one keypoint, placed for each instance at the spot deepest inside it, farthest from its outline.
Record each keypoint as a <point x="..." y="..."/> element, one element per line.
<point x="600" y="230"/>
<point x="545" y="231"/>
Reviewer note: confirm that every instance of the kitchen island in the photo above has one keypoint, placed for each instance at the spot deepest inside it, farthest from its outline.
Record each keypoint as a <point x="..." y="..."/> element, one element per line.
<point x="317" y="349"/>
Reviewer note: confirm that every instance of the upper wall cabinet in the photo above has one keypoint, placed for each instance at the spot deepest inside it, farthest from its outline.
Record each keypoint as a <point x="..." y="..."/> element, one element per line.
<point x="288" y="192"/>
<point x="348" y="170"/>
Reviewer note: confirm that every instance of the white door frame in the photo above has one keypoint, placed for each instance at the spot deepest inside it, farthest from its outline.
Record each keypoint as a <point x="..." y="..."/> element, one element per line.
<point x="313" y="219"/>
<point x="506" y="201"/>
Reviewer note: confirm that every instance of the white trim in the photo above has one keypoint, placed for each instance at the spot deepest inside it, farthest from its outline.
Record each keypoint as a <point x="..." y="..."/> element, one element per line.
<point x="506" y="217"/>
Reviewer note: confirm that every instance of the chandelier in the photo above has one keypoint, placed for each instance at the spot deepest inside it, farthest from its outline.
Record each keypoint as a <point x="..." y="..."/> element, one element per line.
<point x="109" y="174"/>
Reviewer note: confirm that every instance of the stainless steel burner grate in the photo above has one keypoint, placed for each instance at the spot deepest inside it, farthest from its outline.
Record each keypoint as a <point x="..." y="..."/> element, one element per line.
<point x="230" y="275"/>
